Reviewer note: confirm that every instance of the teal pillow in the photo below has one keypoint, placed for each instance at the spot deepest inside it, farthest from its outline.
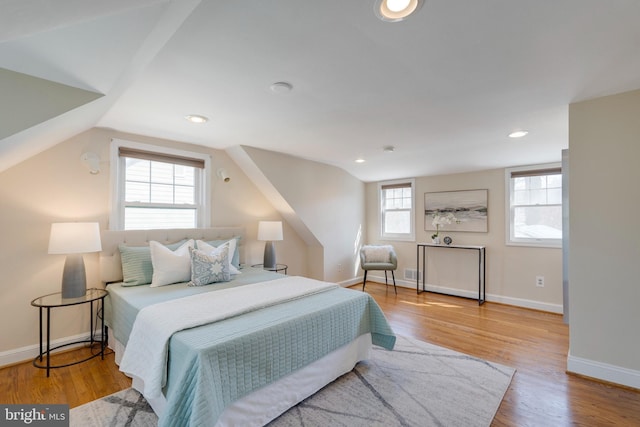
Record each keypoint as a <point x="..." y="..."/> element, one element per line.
<point x="137" y="268"/>
<point x="235" y="258"/>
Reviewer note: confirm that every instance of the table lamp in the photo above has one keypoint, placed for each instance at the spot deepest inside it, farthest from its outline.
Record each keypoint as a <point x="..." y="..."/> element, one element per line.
<point x="74" y="239"/>
<point x="269" y="231"/>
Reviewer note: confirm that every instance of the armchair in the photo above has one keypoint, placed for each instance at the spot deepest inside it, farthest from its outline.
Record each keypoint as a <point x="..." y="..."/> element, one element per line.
<point x="379" y="257"/>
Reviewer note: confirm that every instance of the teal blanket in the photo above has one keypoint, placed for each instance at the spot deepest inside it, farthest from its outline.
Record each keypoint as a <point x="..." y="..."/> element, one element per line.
<point x="214" y="365"/>
<point x="124" y="302"/>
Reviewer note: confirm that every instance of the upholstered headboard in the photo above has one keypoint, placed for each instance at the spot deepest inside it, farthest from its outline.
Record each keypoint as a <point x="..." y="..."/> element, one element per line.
<point x="111" y="267"/>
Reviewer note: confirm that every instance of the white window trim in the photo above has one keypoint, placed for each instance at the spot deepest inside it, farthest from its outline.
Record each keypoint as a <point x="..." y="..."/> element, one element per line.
<point x="411" y="237"/>
<point x="116" y="218"/>
<point x="541" y="243"/>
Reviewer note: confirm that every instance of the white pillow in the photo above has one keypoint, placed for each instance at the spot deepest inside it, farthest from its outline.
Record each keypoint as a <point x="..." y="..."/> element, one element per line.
<point x="170" y="266"/>
<point x="211" y="250"/>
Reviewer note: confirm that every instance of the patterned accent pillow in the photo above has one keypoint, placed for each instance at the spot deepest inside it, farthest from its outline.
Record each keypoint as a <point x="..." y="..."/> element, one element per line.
<point x="209" y="267"/>
<point x="234" y="255"/>
<point x="208" y="248"/>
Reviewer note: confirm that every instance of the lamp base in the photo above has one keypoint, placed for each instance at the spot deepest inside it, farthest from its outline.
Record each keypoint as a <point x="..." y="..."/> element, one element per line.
<point x="74" y="279"/>
<point x="269" y="260"/>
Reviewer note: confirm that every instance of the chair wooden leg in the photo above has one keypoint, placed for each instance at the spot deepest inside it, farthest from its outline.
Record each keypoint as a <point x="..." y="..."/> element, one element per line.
<point x="394" y="282"/>
<point x="386" y="282"/>
<point x="365" y="280"/>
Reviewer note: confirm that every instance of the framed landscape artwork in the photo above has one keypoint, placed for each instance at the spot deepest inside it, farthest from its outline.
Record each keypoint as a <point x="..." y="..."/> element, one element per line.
<point x="469" y="207"/>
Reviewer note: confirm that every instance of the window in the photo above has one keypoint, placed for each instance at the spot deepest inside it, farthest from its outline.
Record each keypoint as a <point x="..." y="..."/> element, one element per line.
<point x="397" y="206"/>
<point x="156" y="187"/>
<point x="535" y="205"/>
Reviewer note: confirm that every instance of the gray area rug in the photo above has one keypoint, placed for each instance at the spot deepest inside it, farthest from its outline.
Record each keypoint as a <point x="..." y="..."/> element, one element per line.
<point x="416" y="384"/>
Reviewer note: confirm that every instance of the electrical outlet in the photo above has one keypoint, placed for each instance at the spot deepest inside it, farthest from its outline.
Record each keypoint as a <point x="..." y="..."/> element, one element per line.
<point x="540" y="281"/>
<point x="339" y="268"/>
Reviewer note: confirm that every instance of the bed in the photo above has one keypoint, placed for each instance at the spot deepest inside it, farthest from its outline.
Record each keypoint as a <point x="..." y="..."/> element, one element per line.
<point x="259" y="344"/>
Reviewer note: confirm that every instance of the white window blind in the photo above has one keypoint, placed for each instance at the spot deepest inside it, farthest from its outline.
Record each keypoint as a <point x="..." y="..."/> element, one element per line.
<point x="160" y="189"/>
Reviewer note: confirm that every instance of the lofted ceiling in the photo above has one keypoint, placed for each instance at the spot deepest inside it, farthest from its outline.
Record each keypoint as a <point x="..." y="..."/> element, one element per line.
<point x="444" y="87"/>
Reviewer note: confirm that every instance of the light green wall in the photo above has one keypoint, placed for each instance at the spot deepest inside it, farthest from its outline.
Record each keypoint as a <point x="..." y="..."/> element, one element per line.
<point x="604" y="272"/>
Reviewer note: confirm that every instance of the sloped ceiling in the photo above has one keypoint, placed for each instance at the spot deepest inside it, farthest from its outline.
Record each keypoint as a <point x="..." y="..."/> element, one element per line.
<point x="65" y="64"/>
<point x="28" y="100"/>
<point x="444" y="87"/>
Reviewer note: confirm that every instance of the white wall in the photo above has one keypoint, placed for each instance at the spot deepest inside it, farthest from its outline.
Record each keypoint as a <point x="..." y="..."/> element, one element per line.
<point x="511" y="270"/>
<point x="53" y="186"/>
<point x="325" y="203"/>
<point x="604" y="272"/>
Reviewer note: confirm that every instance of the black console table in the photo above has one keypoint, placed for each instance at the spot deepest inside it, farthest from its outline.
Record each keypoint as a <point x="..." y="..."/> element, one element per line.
<point x="421" y="255"/>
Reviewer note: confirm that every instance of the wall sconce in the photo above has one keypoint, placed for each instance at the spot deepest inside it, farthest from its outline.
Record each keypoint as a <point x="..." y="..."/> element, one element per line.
<point x="92" y="162"/>
<point x="222" y="173"/>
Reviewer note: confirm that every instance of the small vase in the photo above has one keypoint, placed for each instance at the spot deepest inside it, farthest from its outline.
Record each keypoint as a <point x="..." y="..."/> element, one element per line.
<point x="436" y="240"/>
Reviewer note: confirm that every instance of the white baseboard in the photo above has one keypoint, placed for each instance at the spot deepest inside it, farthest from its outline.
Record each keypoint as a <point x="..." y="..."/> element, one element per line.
<point x="518" y="302"/>
<point x="525" y="303"/>
<point x="603" y="371"/>
<point x="25" y="354"/>
<point x="30" y="352"/>
<point x="350" y="282"/>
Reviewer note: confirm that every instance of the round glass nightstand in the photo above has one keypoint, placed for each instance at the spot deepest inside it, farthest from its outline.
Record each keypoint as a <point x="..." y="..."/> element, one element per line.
<point x="48" y="302"/>
<point x="277" y="269"/>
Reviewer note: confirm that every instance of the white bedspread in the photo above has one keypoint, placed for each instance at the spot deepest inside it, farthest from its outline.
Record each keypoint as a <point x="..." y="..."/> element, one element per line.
<point x="145" y="356"/>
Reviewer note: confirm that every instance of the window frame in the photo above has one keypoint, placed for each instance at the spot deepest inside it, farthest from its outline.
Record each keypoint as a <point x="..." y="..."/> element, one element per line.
<point x="117" y="181"/>
<point x="411" y="236"/>
<point x="509" y="212"/>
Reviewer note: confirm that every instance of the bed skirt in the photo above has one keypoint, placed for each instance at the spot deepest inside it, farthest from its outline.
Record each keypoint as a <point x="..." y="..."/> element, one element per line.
<point x="261" y="406"/>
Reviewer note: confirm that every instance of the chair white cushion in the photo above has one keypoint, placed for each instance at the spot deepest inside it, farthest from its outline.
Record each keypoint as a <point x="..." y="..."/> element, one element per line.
<point x="377" y="253"/>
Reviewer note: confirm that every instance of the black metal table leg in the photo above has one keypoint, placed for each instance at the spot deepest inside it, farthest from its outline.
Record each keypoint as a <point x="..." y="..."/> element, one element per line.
<point x="48" y="340"/>
<point x="41" y="333"/>
<point x="103" y="337"/>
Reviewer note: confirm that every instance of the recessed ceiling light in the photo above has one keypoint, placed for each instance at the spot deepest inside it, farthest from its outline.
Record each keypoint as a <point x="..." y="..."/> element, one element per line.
<point x="194" y="118"/>
<point x="396" y="10"/>
<point x="360" y="160"/>
<point x="389" y="149"/>
<point x="281" y="87"/>
<point x="518" y="133"/>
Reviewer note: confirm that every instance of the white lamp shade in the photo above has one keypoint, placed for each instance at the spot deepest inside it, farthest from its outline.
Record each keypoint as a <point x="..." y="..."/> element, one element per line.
<point x="74" y="238"/>
<point x="270" y="230"/>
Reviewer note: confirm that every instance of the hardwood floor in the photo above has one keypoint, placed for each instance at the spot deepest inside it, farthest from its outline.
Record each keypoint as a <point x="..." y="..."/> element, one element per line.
<point x="73" y="385"/>
<point x="535" y="343"/>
